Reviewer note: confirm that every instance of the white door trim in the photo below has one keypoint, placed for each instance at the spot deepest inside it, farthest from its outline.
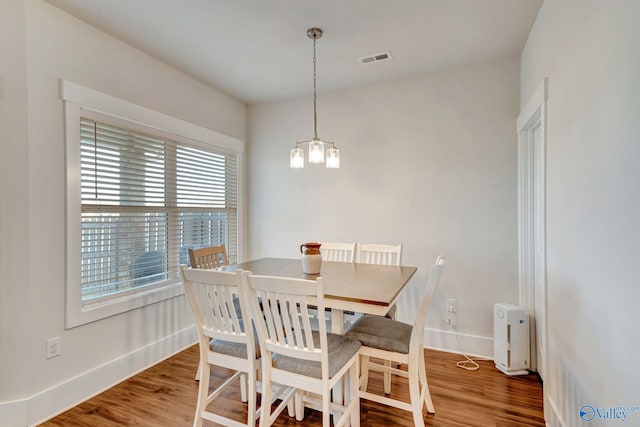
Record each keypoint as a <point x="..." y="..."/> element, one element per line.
<point x="531" y="118"/>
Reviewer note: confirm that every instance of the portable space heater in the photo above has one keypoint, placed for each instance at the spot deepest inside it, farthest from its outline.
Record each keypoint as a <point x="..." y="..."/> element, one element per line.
<point x="511" y="339"/>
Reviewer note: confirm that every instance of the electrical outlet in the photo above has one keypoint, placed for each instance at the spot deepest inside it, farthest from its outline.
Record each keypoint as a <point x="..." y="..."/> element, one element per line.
<point x="450" y="315"/>
<point x="451" y="305"/>
<point x="450" y="319"/>
<point x="54" y="347"/>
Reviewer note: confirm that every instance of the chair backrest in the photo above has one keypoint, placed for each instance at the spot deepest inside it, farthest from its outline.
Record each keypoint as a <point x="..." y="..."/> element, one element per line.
<point x="213" y="296"/>
<point x="370" y="253"/>
<point x="282" y="318"/>
<point x="338" y="251"/>
<point x="209" y="257"/>
<point x="417" y="334"/>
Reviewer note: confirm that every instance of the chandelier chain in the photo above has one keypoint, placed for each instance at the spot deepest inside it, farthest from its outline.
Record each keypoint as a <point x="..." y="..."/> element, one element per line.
<point x="315" y="116"/>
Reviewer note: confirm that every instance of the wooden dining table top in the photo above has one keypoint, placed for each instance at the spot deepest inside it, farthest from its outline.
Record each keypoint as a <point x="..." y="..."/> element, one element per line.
<point x="365" y="288"/>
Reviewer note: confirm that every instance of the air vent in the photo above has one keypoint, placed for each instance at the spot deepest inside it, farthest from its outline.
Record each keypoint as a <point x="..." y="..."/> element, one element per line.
<point x="375" y="58"/>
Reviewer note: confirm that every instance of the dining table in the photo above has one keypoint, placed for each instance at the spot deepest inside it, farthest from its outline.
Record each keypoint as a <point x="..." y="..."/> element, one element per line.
<point x="351" y="287"/>
<point x="355" y="287"/>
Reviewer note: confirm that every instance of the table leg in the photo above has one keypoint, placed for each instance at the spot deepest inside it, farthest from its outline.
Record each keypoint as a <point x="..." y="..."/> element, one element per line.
<point x="337" y="327"/>
<point x="337" y="321"/>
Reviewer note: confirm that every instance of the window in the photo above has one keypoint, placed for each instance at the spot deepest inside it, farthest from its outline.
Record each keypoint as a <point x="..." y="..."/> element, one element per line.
<point x="138" y="198"/>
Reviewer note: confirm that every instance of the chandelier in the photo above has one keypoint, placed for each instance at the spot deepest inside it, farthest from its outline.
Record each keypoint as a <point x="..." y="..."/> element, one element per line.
<point x="316" y="145"/>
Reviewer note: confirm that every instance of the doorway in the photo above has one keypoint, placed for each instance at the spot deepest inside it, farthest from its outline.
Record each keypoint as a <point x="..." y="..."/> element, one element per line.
<point x="532" y="221"/>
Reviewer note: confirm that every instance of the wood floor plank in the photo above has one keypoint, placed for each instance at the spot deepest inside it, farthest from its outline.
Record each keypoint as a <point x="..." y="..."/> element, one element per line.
<point x="165" y="395"/>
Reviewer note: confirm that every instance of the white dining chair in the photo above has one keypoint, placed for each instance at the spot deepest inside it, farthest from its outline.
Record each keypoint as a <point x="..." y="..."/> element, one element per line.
<point x="223" y="338"/>
<point x="391" y="340"/>
<point x="381" y="254"/>
<point x="208" y="257"/>
<point x="296" y="356"/>
<point x="338" y="251"/>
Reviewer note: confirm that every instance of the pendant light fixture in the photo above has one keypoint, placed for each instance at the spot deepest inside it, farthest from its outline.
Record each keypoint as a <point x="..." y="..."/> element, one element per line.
<point x="316" y="146"/>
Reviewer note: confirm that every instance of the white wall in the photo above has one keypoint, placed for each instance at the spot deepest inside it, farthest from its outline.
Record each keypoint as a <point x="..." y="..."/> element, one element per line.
<point x="59" y="46"/>
<point x="590" y="52"/>
<point x="429" y="161"/>
<point x="13" y="203"/>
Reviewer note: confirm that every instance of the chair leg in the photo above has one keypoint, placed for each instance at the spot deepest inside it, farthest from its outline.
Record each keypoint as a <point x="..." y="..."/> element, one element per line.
<point x="387" y="377"/>
<point x="326" y="414"/>
<point x="423" y="379"/>
<point x="265" y="405"/>
<point x="198" y="373"/>
<point x="398" y="364"/>
<point x="251" y="407"/>
<point x="414" y="393"/>
<point x="243" y="388"/>
<point x="364" y="369"/>
<point x="291" y="408"/>
<point x="299" y="405"/>
<point x="203" y="393"/>
<point x="354" y="395"/>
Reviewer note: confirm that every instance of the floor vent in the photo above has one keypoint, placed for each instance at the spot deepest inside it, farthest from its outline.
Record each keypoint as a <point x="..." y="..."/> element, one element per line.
<point x="375" y="58"/>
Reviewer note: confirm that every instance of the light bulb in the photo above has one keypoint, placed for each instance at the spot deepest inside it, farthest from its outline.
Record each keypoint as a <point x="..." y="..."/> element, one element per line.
<point x="333" y="158"/>
<point x="316" y="151"/>
<point x="296" y="160"/>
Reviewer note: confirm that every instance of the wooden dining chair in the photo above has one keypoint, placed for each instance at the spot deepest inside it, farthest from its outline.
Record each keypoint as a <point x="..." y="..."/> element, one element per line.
<point x="209" y="257"/>
<point x="381" y="254"/>
<point x="391" y="340"/>
<point x="223" y="339"/>
<point x="372" y="253"/>
<point x="338" y="251"/>
<point x="298" y="357"/>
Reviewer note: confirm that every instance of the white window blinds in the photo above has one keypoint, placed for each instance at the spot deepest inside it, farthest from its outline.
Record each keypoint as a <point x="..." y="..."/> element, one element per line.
<point x="145" y="201"/>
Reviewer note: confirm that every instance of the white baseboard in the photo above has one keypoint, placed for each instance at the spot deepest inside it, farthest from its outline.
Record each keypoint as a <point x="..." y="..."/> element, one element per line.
<point x="14" y="413"/>
<point x="455" y="342"/>
<point x="552" y="416"/>
<point x="48" y="403"/>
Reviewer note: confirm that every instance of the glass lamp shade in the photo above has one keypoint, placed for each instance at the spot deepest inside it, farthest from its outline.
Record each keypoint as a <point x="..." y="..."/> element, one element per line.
<point x="333" y="158"/>
<point x="316" y="151"/>
<point x="296" y="160"/>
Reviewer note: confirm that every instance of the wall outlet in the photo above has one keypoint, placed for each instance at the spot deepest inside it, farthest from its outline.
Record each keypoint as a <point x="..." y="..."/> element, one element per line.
<point x="450" y="315"/>
<point x="54" y="347"/>
<point x="451" y="306"/>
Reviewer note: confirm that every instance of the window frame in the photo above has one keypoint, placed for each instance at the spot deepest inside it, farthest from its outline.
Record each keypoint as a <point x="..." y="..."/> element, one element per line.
<point x="80" y="101"/>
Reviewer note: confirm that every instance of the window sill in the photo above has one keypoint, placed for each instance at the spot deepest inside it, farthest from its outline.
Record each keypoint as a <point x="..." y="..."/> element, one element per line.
<point x="123" y="304"/>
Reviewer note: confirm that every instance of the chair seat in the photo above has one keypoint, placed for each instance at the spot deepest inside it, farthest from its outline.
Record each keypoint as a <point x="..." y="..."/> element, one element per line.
<point x="381" y="333"/>
<point x="231" y="348"/>
<point x="234" y="349"/>
<point x="341" y="350"/>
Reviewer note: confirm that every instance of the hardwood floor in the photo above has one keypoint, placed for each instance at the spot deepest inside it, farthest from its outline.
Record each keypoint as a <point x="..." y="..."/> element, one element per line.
<point x="165" y="395"/>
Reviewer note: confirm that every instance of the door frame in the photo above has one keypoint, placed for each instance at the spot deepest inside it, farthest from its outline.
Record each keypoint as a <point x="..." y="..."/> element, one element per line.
<point x="532" y="117"/>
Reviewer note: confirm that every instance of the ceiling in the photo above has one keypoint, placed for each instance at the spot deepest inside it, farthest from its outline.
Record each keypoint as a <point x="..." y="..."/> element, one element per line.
<point x="258" y="51"/>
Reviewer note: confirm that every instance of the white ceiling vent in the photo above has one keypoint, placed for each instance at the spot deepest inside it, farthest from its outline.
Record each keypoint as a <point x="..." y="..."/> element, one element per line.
<point x="375" y="58"/>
